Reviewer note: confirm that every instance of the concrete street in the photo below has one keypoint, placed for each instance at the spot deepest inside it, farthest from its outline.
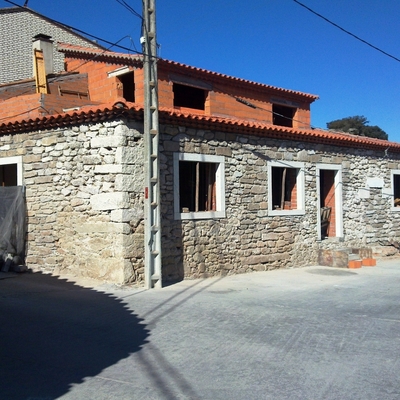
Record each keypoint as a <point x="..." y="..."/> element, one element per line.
<point x="310" y="333"/>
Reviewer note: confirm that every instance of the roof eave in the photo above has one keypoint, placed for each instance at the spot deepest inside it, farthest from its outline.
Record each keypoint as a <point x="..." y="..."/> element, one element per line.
<point x="122" y="109"/>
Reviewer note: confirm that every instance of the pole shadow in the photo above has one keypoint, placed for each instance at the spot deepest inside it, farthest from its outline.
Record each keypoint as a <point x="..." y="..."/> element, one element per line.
<point x="55" y="333"/>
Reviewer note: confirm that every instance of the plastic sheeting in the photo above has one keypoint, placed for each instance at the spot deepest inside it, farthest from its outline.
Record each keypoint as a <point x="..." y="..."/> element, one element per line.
<point x="12" y="223"/>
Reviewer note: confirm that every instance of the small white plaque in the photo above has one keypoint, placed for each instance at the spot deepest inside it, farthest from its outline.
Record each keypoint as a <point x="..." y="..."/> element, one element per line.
<point x="375" y="182"/>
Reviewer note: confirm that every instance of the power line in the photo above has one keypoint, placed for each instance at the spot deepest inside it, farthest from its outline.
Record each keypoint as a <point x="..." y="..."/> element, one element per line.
<point x="255" y="106"/>
<point x="21" y="113"/>
<point x="81" y="31"/>
<point x="129" y="8"/>
<point x="346" y="31"/>
<point x="58" y="77"/>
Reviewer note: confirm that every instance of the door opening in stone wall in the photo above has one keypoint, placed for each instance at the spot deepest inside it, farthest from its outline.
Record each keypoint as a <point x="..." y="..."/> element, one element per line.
<point x="327" y="203"/>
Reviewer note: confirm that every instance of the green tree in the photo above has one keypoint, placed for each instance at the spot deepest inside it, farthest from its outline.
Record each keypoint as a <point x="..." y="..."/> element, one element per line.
<point x="357" y="125"/>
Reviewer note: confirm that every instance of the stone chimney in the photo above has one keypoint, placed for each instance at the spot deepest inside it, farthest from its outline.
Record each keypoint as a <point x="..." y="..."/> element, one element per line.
<point x="45" y="44"/>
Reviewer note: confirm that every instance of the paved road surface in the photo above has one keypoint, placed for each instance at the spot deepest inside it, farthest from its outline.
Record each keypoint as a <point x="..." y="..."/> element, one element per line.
<point x="310" y="333"/>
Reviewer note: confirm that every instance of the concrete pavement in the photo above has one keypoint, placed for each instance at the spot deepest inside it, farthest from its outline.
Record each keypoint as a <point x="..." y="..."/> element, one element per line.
<point x="309" y="333"/>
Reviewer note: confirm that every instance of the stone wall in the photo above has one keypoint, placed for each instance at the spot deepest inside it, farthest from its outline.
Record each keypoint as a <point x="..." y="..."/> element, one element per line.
<point x="84" y="199"/>
<point x="249" y="238"/>
<point x="84" y="193"/>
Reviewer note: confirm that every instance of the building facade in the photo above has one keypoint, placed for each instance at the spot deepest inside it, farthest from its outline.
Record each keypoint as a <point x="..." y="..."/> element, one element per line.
<point x="246" y="184"/>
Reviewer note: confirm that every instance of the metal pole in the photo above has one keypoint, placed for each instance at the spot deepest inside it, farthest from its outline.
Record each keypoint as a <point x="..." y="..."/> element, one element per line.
<point x="153" y="277"/>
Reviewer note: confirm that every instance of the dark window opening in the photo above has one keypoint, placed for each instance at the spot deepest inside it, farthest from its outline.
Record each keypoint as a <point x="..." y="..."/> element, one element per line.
<point x="190" y="97"/>
<point x="284" y="188"/>
<point x="282" y="115"/>
<point x="128" y="86"/>
<point x="8" y="175"/>
<point x="197" y="186"/>
<point x="327" y="202"/>
<point x="396" y="190"/>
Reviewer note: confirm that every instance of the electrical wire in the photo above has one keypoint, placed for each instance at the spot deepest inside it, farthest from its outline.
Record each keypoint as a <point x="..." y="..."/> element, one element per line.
<point x="57" y="78"/>
<point x="79" y="30"/>
<point x="129" y="8"/>
<point x="255" y="106"/>
<point x="346" y="31"/>
<point x="22" y="113"/>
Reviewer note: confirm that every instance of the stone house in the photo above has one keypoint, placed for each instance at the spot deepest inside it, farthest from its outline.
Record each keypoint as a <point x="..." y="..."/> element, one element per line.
<point x="18" y="27"/>
<point x="246" y="183"/>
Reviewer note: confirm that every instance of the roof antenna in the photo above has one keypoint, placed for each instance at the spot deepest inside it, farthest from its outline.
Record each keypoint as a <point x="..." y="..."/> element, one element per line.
<point x="26" y="3"/>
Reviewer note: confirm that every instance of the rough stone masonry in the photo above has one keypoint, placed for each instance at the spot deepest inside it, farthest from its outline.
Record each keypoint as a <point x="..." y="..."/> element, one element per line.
<point x="84" y="195"/>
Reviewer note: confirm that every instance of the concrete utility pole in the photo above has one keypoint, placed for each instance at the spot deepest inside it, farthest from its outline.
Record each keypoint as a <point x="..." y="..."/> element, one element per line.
<point x="152" y="256"/>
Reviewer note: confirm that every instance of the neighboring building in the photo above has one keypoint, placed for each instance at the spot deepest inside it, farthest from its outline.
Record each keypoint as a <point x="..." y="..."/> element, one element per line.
<point x="246" y="184"/>
<point x="18" y="27"/>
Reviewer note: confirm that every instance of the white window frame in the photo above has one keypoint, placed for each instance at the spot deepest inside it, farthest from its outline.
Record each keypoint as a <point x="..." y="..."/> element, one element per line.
<point x="299" y="187"/>
<point x="219" y="181"/>
<point x="338" y="182"/>
<point x="15" y="160"/>
<point x="391" y="197"/>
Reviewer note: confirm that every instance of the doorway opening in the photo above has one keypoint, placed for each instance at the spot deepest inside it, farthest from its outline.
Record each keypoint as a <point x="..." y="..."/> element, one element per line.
<point x="330" y="222"/>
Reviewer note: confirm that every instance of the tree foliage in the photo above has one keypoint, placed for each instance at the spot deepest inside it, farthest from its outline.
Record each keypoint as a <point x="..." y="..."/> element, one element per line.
<point x="357" y="125"/>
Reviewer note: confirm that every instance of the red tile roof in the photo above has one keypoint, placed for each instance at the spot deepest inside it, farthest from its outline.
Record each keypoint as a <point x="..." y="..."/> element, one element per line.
<point x="121" y="108"/>
<point x="118" y="57"/>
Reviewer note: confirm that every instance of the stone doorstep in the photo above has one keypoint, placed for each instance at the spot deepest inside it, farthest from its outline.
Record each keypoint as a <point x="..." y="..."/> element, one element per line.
<point x="346" y="258"/>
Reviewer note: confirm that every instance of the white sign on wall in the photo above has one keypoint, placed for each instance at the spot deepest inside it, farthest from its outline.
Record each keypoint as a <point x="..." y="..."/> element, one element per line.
<point x="375" y="182"/>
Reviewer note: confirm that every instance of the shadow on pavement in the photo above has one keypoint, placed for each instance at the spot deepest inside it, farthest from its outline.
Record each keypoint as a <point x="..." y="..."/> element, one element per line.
<point x="331" y="272"/>
<point x="54" y="333"/>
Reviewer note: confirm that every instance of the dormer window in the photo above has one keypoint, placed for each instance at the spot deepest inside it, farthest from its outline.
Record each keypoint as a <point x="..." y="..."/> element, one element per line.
<point x="125" y="79"/>
<point x="189" y="97"/>
<point x="283" y="115"/>
<point x="127" y="82"/>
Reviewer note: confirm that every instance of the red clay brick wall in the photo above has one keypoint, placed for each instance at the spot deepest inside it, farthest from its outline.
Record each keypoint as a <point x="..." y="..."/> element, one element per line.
<point x="293" y="193"/>
<point x="101" y="88"/>
<point x="220" y="103"/>
<point x="25" y="107"/>
<point x="221" y="100"/>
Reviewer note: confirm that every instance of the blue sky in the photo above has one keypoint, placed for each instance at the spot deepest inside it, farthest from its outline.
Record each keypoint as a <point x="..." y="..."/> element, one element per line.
<point x="276" y="42"/>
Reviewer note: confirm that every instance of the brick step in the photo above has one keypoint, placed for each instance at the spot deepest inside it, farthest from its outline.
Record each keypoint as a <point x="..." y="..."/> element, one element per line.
<point x="353" y="264"/>
<point x="369" y="262"/>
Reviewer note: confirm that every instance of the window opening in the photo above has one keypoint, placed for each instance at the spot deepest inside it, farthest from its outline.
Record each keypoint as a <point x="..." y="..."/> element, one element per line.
<point x="188" y="96"/>
<point x="197" y="186"/>
<point x="8" y="175"/>
<point x="282" y="115"/>
<point x="128" y="86"/>
<point x="284" y="188"/>
<point x="396" y="190"/>
<point x="327" y="203"/>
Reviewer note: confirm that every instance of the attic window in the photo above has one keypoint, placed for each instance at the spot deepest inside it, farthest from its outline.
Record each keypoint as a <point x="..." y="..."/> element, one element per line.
<point x="127" y="82"/>
<point x="283" y="115"/>
<point x="189" y="97"/>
